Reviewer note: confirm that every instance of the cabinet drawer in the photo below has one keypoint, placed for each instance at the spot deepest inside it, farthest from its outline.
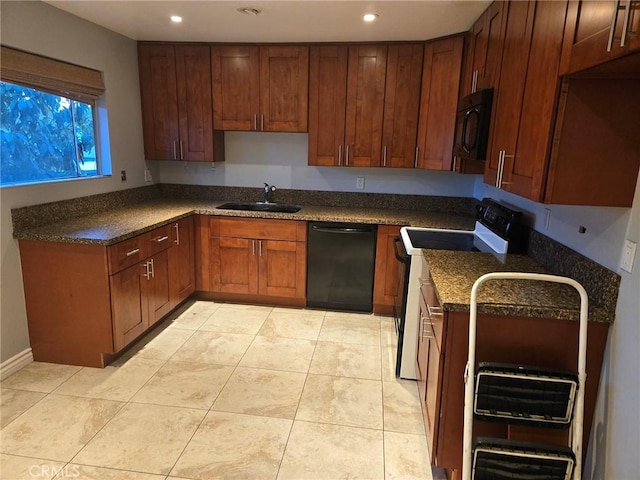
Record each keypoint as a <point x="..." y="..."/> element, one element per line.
<point x="433" y="309"/>
<point x="127" y="253"/>
<point x="263" y="229"/>
<point x="158" y="239"/>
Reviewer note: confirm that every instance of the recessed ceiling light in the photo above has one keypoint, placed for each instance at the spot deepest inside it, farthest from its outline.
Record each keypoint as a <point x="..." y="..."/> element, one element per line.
<point x="176" y="18"/>
<point x="254" y="11"/>
<point x="369" y="17"/>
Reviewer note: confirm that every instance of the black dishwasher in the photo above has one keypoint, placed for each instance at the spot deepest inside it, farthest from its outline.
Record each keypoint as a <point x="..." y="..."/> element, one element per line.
<point x="340" y="263"/>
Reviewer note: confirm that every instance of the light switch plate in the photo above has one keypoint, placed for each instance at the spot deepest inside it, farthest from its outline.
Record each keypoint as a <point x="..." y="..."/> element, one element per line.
<point x="628" y="255"/>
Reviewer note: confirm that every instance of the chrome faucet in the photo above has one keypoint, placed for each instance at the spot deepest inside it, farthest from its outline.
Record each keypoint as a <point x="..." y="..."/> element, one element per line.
<point x="267" y="190"/>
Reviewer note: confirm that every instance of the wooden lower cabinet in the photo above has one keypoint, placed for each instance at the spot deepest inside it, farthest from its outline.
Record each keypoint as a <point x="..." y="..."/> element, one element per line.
<point x="182" y="261"/>
<point x="385" y="283"/>
<point x="262" y="258"/>
<point x="544" y="342"/>
<point x="85" y="303"/>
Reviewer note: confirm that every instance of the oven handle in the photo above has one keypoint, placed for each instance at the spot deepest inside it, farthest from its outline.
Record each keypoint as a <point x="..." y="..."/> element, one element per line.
<point x="401" y="258"/>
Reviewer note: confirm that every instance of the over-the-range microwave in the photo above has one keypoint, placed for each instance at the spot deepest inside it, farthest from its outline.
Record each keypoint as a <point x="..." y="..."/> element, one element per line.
<point x="472" y="125"/>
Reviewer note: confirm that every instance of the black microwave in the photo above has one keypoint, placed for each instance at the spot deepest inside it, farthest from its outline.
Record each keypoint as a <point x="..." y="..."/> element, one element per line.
<point x="472" y="125"/>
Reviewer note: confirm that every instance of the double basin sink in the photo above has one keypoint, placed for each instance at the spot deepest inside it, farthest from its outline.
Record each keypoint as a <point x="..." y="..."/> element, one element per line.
<point x="260" y="207"/>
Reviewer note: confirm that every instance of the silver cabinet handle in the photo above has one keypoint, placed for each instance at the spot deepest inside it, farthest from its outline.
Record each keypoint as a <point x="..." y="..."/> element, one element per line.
<point x="500" y="159"/>
<point x="434" y="311"/>
<point x="346" y="155"/>
<point x="474" y="81"/>
<point x="423" y="281"/>
<point x="426" y="333"/>
<point x="415" y="160"/>
<point x="181" y="150"/>
<point x="384" y="156"/>
<point x="132" y="252"/>
<point x="612" y="31"/>
<point x="147" y="270"/>
<point x="161" y="239"/>
<point x="339" y="155"/>
<point x="253" y="248"/>
<point x="175" y="150"/>
<point x="262" y="123"/>
<point x="153" y="271"/>
<point x="177" y="240"/>
<point x="255" y="122"/>
<point x="625" y="24"/>
<point x="259" y="248"/>
<point x="454" y="163"/>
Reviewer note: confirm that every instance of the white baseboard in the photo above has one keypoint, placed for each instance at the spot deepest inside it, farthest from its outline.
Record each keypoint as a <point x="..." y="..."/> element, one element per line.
<point x="15" y="363"/>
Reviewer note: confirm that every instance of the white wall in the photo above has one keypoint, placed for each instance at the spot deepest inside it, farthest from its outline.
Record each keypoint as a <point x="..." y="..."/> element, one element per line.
<point x="281" y="159"/>
<point x="39" y="28"/>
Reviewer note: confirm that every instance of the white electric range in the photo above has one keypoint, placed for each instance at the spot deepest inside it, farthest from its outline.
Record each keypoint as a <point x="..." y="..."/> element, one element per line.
<point x="498" y="230"/>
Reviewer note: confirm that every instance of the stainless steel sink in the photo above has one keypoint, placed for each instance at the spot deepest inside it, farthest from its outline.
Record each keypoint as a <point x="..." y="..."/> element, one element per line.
<point x="261" y="207"/>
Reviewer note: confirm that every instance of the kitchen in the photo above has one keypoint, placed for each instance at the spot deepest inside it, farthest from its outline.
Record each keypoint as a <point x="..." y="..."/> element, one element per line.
<point x="281" y="159"/>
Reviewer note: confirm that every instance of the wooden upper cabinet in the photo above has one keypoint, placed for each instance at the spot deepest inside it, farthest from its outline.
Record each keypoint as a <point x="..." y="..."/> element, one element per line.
<point x="401" y="105"/>
<point x="284" y="88"/>
<point x="236" y="87"/>
<point x="327" y="104"/>
<point x="365" y="105"/>
<point x="175" y="83"/>
<point x="588" y="40"/>
<point x="483" y="50"/>
<point x="260" y="88"/>
<point x="438" y="103"/>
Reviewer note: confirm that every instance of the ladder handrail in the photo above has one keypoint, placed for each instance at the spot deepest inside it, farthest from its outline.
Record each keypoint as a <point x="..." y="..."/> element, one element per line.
<point x="578" y="419"/>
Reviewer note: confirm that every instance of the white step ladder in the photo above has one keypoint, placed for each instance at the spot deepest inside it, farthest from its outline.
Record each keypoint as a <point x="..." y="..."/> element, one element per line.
<point x="522" y="457"/>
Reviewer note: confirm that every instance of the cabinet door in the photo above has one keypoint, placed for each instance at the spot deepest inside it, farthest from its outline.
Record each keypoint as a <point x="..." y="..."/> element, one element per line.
<point x="282" y="268"/>
<point x="439" y="102"/>
<point x="236" y="87"/>
<point x="401" y="105"/>
<point x="182" y="261"/>
<point x="234" y="265"/>
<point x="156" y="289"/>
<point x="509" y="92"/>
<point x="432" y="392"/>
<point x="327" y="104"/>
<point x="365" y="105"/>
<point x="193" y="78"/>
<point x="525" y="173"/>
<point x="159" y="101"/>
<point x="284" y="89"/>
<point x="385" y="283"/>
<point x="588" y="29"/>
<point x="129" y="312"/>
<point x="489" y="37"/>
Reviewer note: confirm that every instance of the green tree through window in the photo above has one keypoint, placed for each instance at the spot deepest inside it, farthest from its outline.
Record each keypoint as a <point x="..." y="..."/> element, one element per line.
<point x="44" y="136"/>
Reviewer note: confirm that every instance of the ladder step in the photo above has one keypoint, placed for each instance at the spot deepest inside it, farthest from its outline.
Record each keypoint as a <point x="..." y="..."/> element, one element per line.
<point x="525" y="395"/>
<point x="498" y="459"/>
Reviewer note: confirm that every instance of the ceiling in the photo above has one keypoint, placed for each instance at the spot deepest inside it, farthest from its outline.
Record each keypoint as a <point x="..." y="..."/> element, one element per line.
<point x="280" y="21"/>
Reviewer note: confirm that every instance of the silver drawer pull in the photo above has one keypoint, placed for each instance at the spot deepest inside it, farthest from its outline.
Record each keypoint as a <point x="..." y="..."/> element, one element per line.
<point x="132" y="252"/>
<point x="434" y="311"/>
<point x="426" y="329"/>
<point x="161" y="239"/>
<point x="423" y="281"/>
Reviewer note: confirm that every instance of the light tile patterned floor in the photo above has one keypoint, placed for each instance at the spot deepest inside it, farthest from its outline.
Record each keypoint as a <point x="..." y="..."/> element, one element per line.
<point x="227" y="392"/>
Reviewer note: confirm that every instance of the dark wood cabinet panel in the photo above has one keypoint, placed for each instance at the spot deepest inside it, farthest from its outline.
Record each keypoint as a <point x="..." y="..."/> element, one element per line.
<point x="365" y="105"/>
<point x="130" y="317"/>
<point x="260" y="88"/>
<point x="182" y="260"/>
<point x="587" y="34"/>
<point x="234" y="265"/>
<point x="157" y="289"/>
<point x="236" y="87"/>
<point x="385" y="283"/>
<point x="327" y="104"/>
<point x="401" y="106"/>
<point x="438" y="103"/>
<point x="159" y="101"/>
<point x="282" y="268"/>
<point x="175" y="84"/>
<point x="284" y="88"/>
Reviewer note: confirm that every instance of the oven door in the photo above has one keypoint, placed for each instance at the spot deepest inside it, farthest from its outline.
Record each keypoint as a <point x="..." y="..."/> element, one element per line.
<point x="400" y="300"/>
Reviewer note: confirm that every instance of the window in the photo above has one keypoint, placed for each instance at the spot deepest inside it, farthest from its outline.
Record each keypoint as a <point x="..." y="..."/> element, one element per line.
<point x="48" y="119"/>
<point x="44" y="136"/>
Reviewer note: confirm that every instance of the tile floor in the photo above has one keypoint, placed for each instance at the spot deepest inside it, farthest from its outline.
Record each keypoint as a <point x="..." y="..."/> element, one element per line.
<point x="227" y="392"/>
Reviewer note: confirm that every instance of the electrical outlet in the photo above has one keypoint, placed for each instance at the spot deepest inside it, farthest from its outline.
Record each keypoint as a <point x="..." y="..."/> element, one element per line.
<point x="628" y="255"/>
<point x="547" y="218"/>
<point x="123" y="175"/>
<point x="147" y="176"/>
<point x="360" y="183"/>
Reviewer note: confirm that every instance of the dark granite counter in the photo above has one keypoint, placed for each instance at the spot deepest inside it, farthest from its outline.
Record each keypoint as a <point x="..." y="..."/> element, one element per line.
<point x="112" y="226"/>
<point x="454" y="274"/>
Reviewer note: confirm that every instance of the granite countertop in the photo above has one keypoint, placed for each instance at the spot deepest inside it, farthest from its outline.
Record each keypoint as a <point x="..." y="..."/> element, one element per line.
<point x="454" y="274"/>
<point x="113" y="226"/>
